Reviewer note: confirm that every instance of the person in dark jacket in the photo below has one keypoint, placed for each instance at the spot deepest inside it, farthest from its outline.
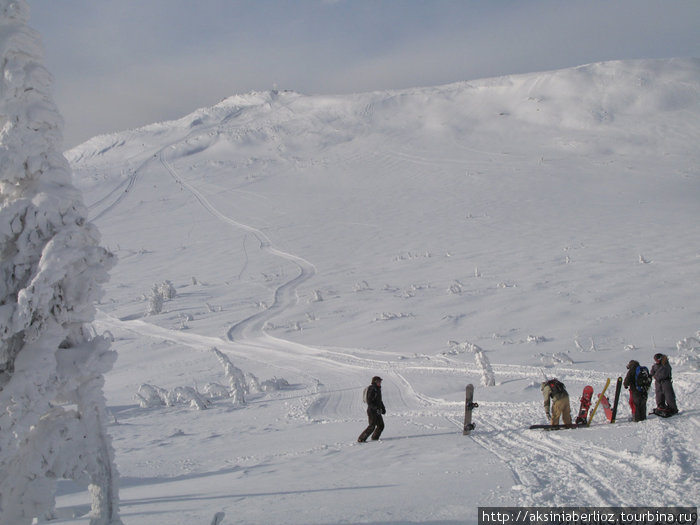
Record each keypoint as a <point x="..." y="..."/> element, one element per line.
<point x="663" y="385"/>
<point x="375" y="411"/>
<point x="638" y="399"/>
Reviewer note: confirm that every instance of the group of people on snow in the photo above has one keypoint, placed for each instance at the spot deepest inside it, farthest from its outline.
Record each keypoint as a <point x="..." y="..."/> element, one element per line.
<point x="663" y="387"/>
<point x="555" y="394"/>
<point x="556" y="398"/>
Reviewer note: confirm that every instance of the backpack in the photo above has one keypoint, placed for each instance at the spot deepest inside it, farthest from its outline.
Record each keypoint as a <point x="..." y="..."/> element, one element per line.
<point x="364" y="394"/>
<point x="556" y="386"/>
<point x="642" y="379"/>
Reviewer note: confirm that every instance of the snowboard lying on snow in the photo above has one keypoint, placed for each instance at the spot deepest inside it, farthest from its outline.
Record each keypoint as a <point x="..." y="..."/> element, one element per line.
<point x="558" y="427"/>
<point x="661" y="412"/>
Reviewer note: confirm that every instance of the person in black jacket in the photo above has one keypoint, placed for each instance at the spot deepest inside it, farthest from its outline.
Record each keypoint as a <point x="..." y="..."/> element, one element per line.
<point x="375" y="410"/>
<point x="663" y="385"/>
<point x="638" y="398"/>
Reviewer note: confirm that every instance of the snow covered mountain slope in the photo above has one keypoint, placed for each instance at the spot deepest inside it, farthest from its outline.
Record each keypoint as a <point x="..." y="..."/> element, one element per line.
<point x="477" y="232"/>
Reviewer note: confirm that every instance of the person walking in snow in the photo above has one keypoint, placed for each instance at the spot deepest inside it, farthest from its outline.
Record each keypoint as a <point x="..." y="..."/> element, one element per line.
<point x="375" y="411"/>
<point x="638" y="395"/>
<point x="663" y="385"/>
<point x="555" y="392"/>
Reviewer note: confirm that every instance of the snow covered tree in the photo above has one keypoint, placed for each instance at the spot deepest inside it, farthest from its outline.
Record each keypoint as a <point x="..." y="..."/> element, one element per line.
<point x="155" y="301"/>
<point x="235" y="376"/>
<point x="52" y="405"/>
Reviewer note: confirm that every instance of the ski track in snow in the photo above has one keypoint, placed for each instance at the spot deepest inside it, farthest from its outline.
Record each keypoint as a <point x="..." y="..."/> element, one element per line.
<point x="284" y="295"/>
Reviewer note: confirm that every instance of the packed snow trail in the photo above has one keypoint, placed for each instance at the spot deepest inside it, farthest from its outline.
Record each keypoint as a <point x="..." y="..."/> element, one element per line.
<point x="284" y="296"/>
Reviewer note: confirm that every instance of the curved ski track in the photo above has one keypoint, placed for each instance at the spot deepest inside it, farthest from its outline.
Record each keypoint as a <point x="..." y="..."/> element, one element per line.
<point x="284" y="296"/>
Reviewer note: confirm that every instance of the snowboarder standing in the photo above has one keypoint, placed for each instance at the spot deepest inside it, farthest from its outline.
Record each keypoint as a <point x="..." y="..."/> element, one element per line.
<point x="375" y="410"/>
<point x="638" y="394"/>
<point x="663" y="385"/>
<point x="553" y="390"/>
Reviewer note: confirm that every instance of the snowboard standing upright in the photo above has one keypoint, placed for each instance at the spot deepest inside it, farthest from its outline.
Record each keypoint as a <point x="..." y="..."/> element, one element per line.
<point x="468" y="406"/>
<point x="618" y="387"/>
<point x="600" y="396"/>
<point x="582" y="417"/>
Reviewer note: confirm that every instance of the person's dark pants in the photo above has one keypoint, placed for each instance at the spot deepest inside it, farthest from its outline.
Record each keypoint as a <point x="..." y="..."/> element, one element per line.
<point x="665" y="396"/>
<point x="376" y="425"/>
<point x="638" y="404"/>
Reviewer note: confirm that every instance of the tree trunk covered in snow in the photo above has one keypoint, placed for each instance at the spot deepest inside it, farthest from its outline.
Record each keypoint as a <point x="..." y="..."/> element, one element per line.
<point x="52" y="406"/>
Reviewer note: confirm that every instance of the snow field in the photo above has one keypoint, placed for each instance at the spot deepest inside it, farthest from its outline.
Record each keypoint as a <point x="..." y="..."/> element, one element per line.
<point x="477" y="232"/>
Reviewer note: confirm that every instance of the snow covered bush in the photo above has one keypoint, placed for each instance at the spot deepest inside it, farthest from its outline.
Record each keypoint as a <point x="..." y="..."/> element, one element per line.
<point x="187" y="394"/>
<point x="155" y="302"/>
<point x="160" y="293"/>
<point x="688" y="353"/>
<point x="52" y="407"/>
<point x="216" y="391"/>
<point x="240" y="385"/>
<point x="150" y="396"/>
<point x="167" y="290"/>
<point x="488" y="377"/>
<point x="276" y="383"/>
<point x="236" y="378"/>
<point x="556" y="358"/>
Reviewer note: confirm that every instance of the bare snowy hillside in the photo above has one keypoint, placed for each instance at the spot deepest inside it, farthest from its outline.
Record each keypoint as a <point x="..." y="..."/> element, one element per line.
<point x="477" y="232"/>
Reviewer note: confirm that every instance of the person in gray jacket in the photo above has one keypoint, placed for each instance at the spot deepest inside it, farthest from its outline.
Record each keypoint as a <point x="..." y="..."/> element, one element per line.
<point x="663" y="385"/>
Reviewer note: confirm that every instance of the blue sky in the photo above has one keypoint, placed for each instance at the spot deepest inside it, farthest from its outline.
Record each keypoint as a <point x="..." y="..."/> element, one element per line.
<point x="120" y="64"/>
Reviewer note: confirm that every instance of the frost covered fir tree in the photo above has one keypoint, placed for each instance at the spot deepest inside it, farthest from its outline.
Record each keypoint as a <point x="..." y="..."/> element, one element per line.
<point x="52" y="406"/>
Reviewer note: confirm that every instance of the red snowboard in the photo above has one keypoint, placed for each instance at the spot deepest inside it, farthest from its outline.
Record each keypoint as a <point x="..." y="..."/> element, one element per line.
<point x="582" y="417"/>
<point x="605" y="403"/>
